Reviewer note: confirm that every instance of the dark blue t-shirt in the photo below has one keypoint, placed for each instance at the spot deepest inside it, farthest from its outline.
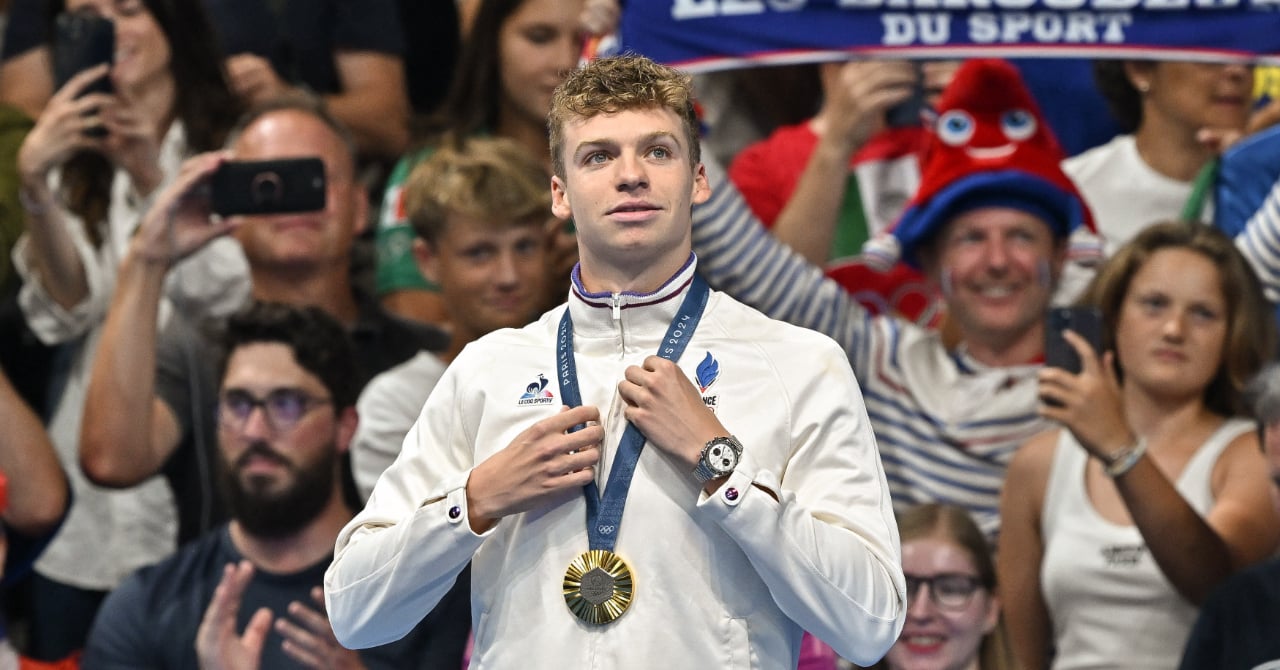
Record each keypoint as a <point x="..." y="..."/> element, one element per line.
<point x="1239" y="625"/>
<point x="150" y="620"/>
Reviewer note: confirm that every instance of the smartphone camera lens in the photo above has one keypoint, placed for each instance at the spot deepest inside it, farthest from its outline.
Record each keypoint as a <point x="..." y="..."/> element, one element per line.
<point x="266" y="188"/>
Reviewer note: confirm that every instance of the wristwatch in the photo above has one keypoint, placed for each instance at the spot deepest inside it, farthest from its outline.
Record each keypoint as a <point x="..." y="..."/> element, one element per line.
<point x="718" y="459"/>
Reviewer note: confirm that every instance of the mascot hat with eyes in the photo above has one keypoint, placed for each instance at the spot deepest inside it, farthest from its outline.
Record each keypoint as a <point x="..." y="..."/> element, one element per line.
<point x="989" y="147"/>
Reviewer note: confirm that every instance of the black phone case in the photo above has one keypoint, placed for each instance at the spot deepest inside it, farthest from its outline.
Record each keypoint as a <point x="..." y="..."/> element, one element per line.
<point x="82" y="41"/>
<point x="1084" y="321"/>
<point x="907" y="113"/>
<point x="268" y="187"/>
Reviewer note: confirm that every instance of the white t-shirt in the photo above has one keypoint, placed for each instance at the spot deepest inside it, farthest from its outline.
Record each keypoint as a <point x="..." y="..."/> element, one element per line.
<point x="388" y="407"/>
<point x="1123" y="192"/>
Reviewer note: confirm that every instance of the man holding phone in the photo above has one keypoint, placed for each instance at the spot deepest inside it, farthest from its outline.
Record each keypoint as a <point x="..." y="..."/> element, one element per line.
<point x="137" y="424"/>
<point x="989" y="228"/>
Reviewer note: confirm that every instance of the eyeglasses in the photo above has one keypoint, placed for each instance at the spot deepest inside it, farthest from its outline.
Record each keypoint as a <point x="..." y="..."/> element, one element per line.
<point x="283" y="407"/>
<point x="948" y="590"/>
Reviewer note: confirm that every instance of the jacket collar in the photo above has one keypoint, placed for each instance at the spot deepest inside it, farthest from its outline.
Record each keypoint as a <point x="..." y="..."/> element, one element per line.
<point x="640" y="318"/>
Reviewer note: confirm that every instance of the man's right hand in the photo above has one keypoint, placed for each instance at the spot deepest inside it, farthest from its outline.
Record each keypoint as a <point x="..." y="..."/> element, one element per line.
<point x="545" y="464"/>
<point x="180" y="221"/>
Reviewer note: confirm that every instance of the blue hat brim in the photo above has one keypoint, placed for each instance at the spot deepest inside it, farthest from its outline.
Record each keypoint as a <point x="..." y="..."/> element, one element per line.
<point x="1060" y="209"/>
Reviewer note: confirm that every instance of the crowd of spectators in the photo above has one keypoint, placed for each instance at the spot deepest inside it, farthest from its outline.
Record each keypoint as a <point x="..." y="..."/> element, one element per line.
<point x="1047" y="518"/>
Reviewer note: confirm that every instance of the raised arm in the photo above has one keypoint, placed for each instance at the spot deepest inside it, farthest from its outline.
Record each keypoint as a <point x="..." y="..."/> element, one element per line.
<point x="127" y="432"/>
<point x="1195" y="553"/>
<point x="56" y="254"/>
<point x="738" y="256"/>
<point x="37" y="484"/>
<point x="857" y="94"/>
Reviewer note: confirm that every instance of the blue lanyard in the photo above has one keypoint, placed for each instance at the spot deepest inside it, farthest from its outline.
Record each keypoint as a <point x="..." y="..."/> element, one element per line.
<point x="604" y="514"/>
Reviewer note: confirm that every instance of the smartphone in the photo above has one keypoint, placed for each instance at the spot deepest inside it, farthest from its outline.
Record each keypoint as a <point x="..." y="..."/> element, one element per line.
<point x="907" y="113"/>
<point x="80" y="42"/>
<point x="1083" y="321"/>
<point x="268" y="187"/>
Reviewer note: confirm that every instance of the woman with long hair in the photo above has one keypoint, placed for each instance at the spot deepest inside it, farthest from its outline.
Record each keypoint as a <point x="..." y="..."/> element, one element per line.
<point x="1116" y="526"/>
<point x="87" y="171"/>
<point x="953" y="613"/>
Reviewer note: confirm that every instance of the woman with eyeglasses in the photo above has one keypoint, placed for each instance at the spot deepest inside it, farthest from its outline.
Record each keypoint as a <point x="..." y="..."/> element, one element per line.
<point x="1118" y="525"/>
<point x="953" y="613"/>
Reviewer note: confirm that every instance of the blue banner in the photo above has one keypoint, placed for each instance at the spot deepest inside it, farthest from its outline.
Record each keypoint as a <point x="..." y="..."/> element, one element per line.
<point x="704" y="35"/>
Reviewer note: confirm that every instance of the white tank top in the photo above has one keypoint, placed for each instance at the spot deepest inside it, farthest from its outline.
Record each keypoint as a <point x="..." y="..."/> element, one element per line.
<point x="1110" y="605"/>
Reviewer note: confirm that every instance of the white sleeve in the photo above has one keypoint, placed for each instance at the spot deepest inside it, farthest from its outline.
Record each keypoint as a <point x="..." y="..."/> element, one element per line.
<point x="400" y="555"/>
<point x="828" y="547"/>
<point x="51" y="322"/>
<point x="388" y="407"/>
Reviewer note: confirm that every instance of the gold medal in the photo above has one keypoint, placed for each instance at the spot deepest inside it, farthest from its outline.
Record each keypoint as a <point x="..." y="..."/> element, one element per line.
<point x="598" y="586"/>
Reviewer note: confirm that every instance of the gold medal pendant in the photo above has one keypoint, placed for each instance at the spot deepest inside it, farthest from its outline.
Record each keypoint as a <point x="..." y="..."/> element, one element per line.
<point x="598" y="586"/>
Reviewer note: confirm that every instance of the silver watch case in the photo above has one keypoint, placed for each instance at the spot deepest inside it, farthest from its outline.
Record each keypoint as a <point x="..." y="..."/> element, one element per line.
<point x="719" y="458"/>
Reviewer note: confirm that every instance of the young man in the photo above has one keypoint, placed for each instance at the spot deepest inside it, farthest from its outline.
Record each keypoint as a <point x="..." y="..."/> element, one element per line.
<point x="137" y="423"/>
<point x="247" y="594"/>
<point x="728" y="547"/>
<point x="481" y="212"/>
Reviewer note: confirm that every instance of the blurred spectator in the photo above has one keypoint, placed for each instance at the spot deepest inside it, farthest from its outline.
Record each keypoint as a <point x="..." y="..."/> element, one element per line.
<point x="1118" y="526"/>
<point x="1176" y="116"/>
<point x="828" y="184"/>
<point x="1236" y="629"/>
<point x="83" y="192"/>
<point x="137" y="424"/>
<point x="480" y="211"/>
<point x="247" y="594"/>
<point x="990" y="235"/>
<point x="350" y="52"/>
<point x="953" y="612"/>
<point x="515" y="54"/>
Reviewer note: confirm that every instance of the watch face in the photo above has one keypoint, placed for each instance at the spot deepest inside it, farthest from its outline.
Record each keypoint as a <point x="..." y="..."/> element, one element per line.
<point x="721" y="458"/>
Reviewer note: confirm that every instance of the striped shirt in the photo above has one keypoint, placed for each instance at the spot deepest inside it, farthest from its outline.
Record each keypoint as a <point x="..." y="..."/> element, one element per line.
<point x="946" y="425"/>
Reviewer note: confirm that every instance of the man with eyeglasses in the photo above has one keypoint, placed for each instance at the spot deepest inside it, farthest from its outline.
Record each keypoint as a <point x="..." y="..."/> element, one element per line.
<point x="247" y="594"/>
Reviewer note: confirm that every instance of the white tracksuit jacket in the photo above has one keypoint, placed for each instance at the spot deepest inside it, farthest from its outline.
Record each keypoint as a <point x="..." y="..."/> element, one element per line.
<point x="727" y="581"/>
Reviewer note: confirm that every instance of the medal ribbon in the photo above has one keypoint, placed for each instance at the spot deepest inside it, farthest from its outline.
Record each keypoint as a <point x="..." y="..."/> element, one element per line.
<point x="604" y="514"/>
